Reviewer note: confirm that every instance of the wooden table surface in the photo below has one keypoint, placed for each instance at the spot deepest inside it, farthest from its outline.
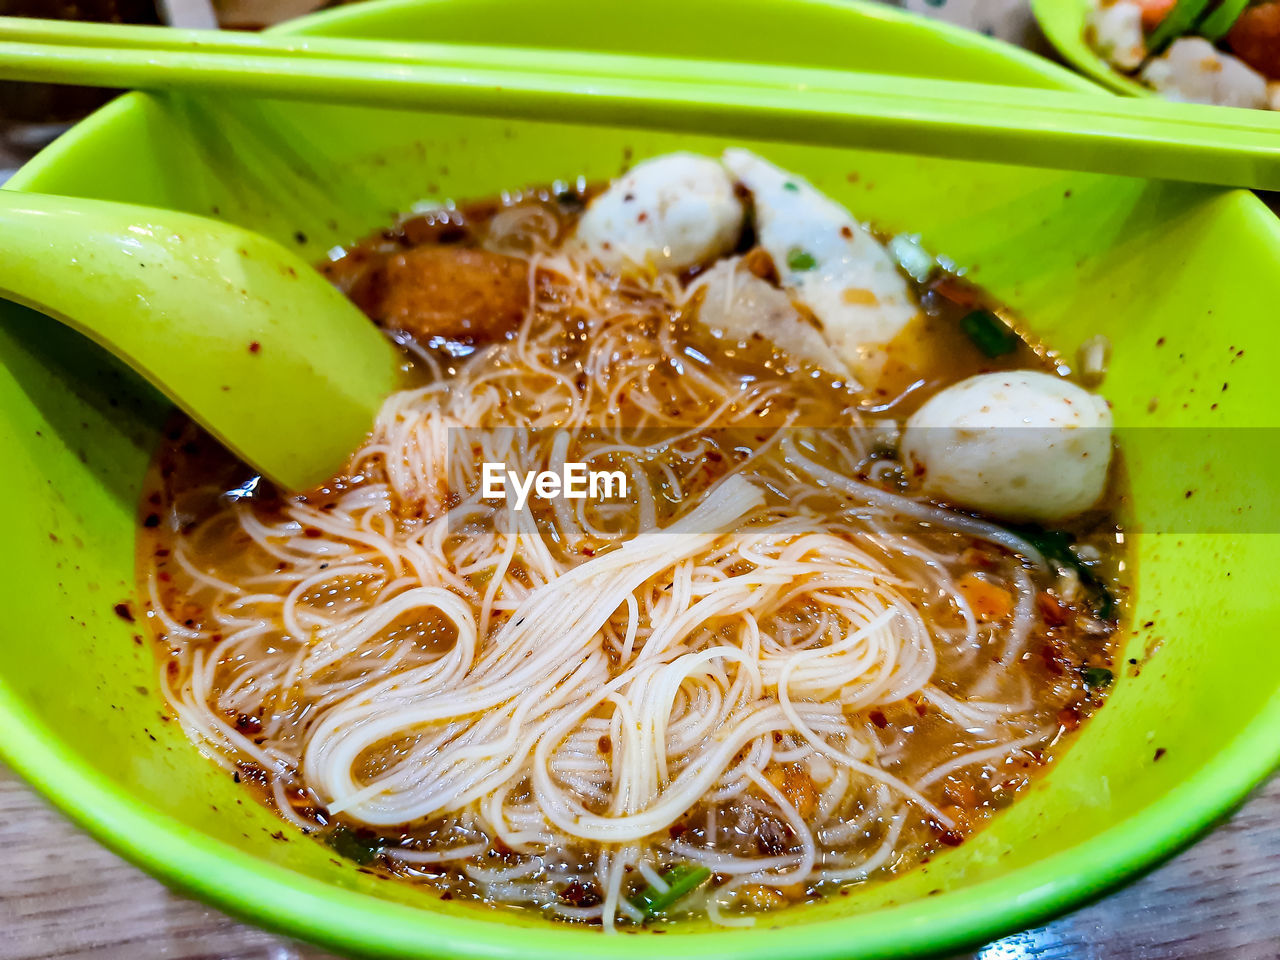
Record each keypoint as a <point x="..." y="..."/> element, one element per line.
<point x="62" y="895"/>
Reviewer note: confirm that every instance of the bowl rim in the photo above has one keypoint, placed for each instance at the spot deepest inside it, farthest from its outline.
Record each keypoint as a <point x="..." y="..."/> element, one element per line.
<point x="275" y="897"/>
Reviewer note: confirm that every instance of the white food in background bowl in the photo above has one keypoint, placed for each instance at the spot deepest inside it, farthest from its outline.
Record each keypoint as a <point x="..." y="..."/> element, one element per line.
<point x="670" y="212"/>
<point x="1193" y="70"/>
<point x="829" y="261"/>
<point x="1018" y="445"/>
<point x="1117" y="34"/>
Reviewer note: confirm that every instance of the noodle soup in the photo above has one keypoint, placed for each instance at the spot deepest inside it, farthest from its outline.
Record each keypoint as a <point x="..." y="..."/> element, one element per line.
<point x="862" y="587"/>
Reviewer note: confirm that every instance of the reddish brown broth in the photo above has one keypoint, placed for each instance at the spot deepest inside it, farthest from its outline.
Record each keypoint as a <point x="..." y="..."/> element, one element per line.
<point x="1073" y="642"/>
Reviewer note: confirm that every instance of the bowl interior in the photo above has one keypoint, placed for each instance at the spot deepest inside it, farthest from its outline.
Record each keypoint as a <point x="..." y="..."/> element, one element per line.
<point x="1063" y="23"/>
<point x="1179" y="278"/>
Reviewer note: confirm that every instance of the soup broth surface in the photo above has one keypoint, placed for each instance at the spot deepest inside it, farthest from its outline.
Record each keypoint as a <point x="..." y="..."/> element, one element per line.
<point x="782" y="686"/>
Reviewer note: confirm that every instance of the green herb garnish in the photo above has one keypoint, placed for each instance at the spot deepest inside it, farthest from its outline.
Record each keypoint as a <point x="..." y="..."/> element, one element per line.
<point x="1215" y="25"/>
<point x="790" y="186"/>
<point x="798" y="259"/>
<point x="1184" y="15"/>
<point x="346" y="843"/>
<point x="1056" y="547"/>
<point x="1098" y="678"/>
<point x="988" y="333"/>
<point x="681" y="880"/>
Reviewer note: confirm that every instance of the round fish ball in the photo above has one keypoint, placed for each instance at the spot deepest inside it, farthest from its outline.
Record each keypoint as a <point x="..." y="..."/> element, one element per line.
<point x="1018" y="445"/>
<point x="671" y="212"/>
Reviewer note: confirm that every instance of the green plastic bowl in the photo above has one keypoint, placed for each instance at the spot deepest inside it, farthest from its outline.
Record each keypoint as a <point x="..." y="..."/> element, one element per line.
<point x="1180" y="278"/>
<point x="1063" y="24"/>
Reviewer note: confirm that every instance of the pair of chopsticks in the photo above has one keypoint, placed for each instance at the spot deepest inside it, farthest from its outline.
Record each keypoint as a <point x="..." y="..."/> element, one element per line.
<point x="971" y="121"/>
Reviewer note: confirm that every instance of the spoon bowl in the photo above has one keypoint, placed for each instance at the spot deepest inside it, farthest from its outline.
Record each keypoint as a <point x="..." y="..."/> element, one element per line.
<point x="236" y="330"/>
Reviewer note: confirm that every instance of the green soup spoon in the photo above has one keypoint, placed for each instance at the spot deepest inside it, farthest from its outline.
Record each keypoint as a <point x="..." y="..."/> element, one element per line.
<point x="239" y="332"/>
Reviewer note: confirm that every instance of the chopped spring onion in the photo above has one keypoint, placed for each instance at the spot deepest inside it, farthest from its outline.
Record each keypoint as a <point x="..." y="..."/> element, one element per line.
<point x="1215" y="26"/>
<point x="681" y="880"/>
<point x="798" y="259"/>
<point x="913" y="258"/>
<point x="988" y="333"/>
<point x="1184" y="15"/>
<point x="1098" y="678"/>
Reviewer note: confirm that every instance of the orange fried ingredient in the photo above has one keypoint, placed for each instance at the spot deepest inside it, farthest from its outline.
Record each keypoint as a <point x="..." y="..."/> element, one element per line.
<point x="452" y="292"/>
<point x="1154" y="11"/>
<point x="797" y="786"/>
<point x="988" y="601"/>
<point x="1255" y="38"/>
<point x="351" y="273"/>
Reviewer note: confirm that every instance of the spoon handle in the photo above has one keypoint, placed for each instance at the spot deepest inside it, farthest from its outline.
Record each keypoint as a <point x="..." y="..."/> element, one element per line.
<point x="971" y="121"/>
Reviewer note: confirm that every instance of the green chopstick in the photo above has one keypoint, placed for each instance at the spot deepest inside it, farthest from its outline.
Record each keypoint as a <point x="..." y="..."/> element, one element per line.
<point x="971" y="121"/>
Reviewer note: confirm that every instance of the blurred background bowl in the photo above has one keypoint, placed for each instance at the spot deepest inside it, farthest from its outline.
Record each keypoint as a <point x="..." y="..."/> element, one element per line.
<point x="1063" y="24"/>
